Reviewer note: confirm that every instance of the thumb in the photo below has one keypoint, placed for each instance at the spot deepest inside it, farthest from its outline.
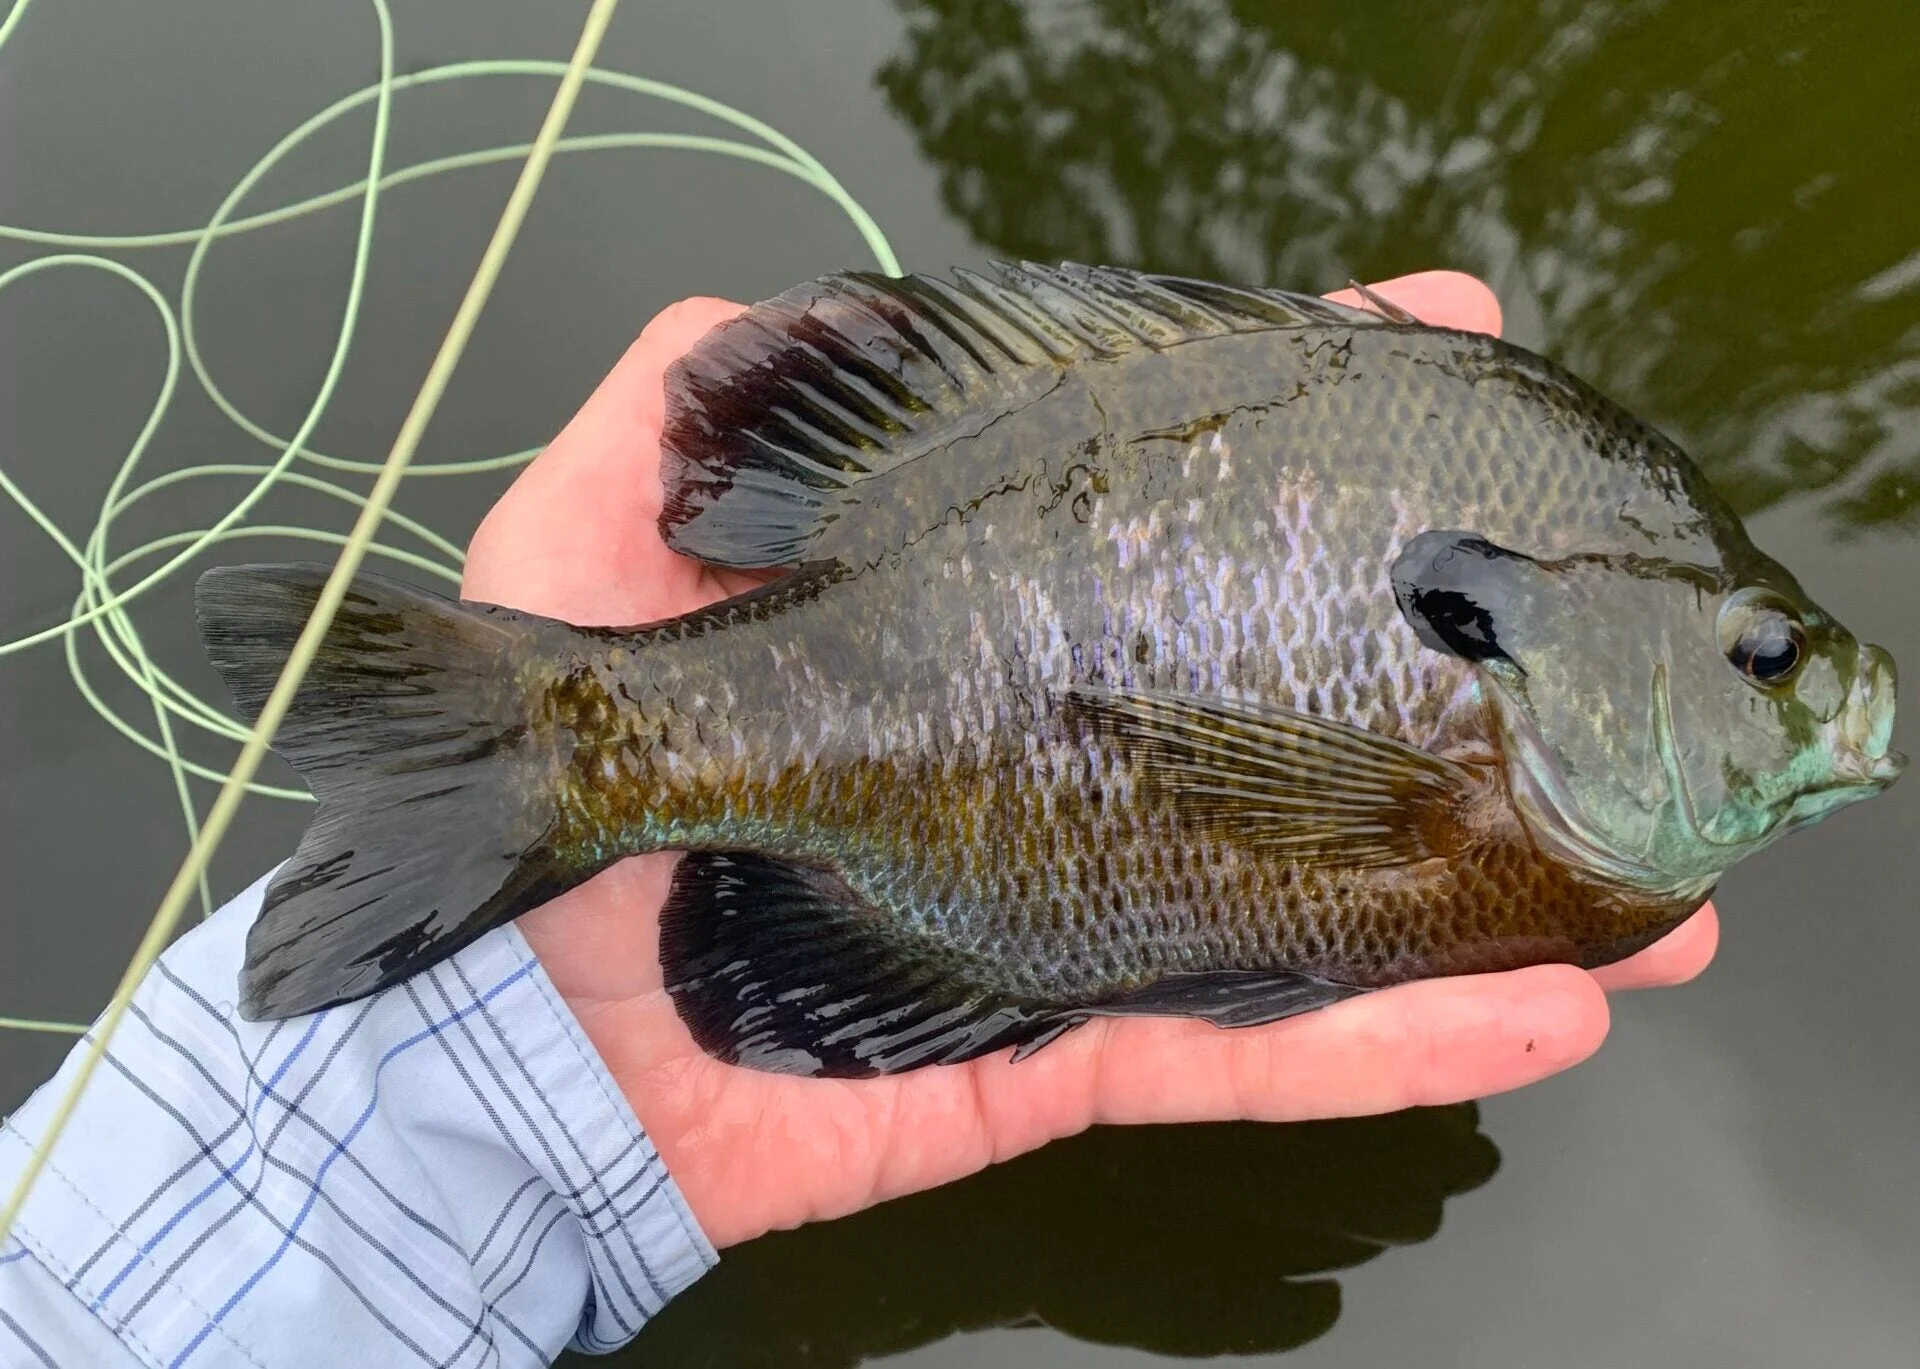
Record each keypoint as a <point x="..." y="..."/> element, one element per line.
<point x="575" y="537"/>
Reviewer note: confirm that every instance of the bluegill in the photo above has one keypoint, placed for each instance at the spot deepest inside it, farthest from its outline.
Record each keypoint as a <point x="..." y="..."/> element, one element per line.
<point x="1144" y="646"/>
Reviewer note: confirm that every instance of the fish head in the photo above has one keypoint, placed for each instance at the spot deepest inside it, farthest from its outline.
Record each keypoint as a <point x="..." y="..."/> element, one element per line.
<point x="1660" y="720"/>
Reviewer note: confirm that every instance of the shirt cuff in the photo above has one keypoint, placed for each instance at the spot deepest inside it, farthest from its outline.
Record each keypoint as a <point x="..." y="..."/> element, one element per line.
<point x="444" y="1171"/>
<point x="641" y="1238"/>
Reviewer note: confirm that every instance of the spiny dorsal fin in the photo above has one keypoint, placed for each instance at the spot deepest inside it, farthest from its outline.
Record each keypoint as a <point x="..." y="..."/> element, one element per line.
<point x="775" y="415"/>
<point x="1314" y="789"/>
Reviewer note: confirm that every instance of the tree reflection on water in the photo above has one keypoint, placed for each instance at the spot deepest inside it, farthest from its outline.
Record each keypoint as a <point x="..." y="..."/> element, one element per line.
<point x="1708" y="209"/>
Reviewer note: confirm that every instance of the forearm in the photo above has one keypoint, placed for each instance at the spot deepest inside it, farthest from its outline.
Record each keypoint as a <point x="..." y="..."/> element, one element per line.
<point x="443" y="1172"/>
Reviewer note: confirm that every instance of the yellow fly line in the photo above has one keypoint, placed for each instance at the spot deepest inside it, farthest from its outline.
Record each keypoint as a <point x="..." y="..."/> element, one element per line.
<point x="106" y="591"/>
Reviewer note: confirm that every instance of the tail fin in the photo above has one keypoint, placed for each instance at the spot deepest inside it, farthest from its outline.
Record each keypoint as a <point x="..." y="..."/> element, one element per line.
<point x="412" y="728"/>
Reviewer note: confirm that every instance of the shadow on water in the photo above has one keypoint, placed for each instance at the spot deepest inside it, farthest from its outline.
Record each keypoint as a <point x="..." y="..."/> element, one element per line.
<point x="1705" y="209"/>
<point x="1188" y="1241"/>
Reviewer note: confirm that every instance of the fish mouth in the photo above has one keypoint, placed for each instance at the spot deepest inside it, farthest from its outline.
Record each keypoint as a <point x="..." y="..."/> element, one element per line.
<point x="1863" y="766"/>
<point x="1866" y="722"/>
<point x="1555" y="818"/>
<point x="1816" y="805"/>
<point x="1855" y="771"/>
<point x="1864" y="763"/>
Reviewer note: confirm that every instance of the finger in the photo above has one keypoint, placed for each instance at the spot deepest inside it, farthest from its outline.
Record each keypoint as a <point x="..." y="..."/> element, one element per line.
<point x="1446" y="299"/>
<point x="575" y="536"/>
<point x="1438" y="1041"/>
<point x="1673" y="959"/>
<point x="600" y="940"/>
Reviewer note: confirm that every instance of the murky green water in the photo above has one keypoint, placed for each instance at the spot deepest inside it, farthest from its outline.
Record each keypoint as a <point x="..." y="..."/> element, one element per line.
<point x="1707" y="207"/>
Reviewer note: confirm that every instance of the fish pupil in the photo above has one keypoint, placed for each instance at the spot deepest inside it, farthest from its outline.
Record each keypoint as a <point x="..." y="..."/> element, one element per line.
<point x="1769" y="651"/>
<point x="1762" y="636"/>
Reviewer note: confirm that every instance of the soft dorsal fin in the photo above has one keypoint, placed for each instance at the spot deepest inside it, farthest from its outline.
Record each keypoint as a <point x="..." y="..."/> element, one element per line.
<point x="775" y="415"/>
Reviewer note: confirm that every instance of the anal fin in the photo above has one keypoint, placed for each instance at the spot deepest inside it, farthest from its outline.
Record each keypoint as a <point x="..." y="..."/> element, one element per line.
<point x="1226" y="998"/>
<point x="782" y="967"/>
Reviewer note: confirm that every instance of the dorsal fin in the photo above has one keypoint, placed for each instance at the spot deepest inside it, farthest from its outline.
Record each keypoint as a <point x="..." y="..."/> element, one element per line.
<point x="775" y="415"/>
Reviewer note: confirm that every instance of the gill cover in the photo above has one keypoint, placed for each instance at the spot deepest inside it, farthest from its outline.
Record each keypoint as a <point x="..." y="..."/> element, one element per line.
<point x="1567" y="656"/>
<point x="1660" y="721"/>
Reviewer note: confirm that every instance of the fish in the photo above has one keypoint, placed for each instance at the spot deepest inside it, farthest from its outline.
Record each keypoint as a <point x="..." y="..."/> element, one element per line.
<point x="1133" y="645"/>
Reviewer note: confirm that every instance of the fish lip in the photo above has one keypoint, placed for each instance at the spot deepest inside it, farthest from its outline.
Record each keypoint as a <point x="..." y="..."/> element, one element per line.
<point x="1867" y="759"/>
<point x="1866" y="722"/>
<point x="1871" y="778"/>
<point x="1862" y="770"/>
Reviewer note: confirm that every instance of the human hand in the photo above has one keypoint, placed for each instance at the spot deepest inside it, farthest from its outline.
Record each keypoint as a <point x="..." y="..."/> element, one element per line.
<point x="576" y="538"/>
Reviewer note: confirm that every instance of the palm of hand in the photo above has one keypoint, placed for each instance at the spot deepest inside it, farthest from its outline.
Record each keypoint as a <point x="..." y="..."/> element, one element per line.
<point x="575" y="538"/>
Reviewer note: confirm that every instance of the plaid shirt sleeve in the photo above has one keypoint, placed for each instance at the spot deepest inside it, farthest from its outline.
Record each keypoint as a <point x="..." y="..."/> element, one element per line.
<point x="443" y="1174"/>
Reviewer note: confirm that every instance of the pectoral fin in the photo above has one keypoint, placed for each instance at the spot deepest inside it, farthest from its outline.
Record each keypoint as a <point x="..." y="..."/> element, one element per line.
<point x="1320" y="791"/>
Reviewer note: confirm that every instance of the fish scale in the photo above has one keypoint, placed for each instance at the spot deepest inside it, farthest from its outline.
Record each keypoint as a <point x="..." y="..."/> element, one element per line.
<point x="918" y="855"/>
<point x="1145" y="646"/>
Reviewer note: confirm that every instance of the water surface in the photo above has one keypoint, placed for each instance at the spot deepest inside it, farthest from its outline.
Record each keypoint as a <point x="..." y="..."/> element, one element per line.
<point x="1707" y="208"/>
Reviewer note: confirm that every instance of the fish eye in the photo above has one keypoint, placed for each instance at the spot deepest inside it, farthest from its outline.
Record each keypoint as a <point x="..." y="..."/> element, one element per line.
<point x="1762" y="637"/>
